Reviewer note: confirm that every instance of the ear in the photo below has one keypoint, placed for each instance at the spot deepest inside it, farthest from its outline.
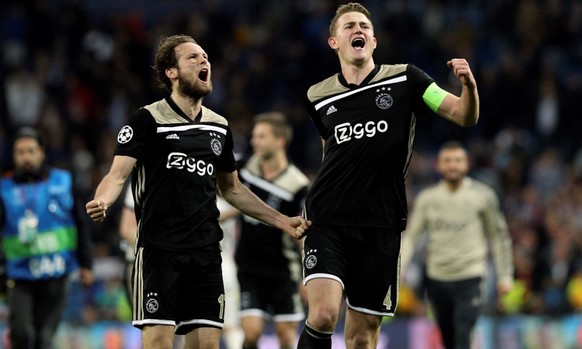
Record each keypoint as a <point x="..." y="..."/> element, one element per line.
<point x="375" y="43"/>
<point x="171" y="73"/>
<point x="437" y="166"/>
<point x="282" y="142"/>
<point x="332" y="43"/>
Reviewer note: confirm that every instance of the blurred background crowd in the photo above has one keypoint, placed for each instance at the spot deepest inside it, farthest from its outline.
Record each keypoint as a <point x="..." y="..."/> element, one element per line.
<point x="77" y="69"/>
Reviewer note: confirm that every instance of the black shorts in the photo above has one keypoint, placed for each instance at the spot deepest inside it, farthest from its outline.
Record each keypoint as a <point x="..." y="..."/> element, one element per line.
<point x="366" y="261"/>
<point x="178" y="289"/>
<point x="278" y="300"/>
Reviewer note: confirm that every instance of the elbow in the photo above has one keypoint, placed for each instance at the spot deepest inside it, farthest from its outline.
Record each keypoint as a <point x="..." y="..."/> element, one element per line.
<point x="470" y="121"/>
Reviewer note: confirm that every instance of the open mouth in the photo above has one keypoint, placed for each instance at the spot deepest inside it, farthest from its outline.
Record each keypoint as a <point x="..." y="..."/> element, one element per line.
<point x="203" y="75"/>
<point x="358" y="43"/>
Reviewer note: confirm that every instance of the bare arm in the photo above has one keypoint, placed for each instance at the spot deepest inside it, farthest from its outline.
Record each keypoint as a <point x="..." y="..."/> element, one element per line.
<point x="227" y="211"/>
<point x="410" y="237"/>
<point x="239" y="196"/>
<point x="110" y="187"/>
<point x="501" y="244"/>
<point x="463" y="110"/>
<point x="128" y="225"/>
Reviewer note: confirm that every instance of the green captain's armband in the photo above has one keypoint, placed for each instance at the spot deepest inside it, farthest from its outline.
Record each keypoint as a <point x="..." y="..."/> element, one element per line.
<point x="434" y="96"/>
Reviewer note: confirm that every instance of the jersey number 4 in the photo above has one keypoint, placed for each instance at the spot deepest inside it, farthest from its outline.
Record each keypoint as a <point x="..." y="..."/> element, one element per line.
<point x="388" y="299"/>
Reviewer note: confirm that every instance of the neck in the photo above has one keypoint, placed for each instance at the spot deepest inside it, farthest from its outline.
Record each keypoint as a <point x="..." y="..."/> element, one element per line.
<point x="273" y="166"/>
<point x="189" y="105"/>
<point x="355" y="74"/>
<point x="453" y="185"/>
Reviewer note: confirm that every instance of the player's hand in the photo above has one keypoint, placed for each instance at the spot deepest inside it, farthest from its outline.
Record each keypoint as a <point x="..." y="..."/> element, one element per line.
<point x="504" y="286"/>
<point x="297" y="227"/>
<point x="96" y="209"/>
<point x="462" y="71"/>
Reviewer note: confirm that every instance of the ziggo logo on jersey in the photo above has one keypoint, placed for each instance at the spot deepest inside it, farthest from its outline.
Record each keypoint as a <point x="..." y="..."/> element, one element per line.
<point x="180" y="161"/>
<point x="344" y="132"/>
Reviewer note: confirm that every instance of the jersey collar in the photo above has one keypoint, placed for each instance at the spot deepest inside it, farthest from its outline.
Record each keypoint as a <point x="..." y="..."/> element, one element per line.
<point x="368" y="78"/>
<point x="179" y="111"/>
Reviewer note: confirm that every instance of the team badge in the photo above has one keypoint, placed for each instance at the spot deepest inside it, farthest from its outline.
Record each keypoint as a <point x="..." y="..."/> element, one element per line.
<point x="152" y="304"/>
<point x="216" y="146"/>
<point x="125" y="134"/>
<point x="383" y="99"/>
<point x="310" y="260"/>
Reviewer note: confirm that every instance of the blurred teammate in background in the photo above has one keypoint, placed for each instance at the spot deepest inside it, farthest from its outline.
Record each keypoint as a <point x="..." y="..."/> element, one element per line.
<point x="462" y="218"/>
<point x="269" y="262"/>
<point x="366" y="116"/>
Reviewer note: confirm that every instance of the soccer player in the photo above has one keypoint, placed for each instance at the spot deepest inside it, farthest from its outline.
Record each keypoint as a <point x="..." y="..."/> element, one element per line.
<point x="269" y="262"/>
<point x="179" y="154"/>
<point x="461" y="217"/>
<point x="366" y="116"/>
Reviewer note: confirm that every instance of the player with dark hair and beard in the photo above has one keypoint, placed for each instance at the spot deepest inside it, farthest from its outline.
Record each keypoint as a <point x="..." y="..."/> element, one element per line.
<point x="180" y="154"/>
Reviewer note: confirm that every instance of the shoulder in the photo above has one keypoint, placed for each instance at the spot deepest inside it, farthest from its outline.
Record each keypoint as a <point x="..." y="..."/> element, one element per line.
<point x="157" y="110"/>
<point x="293" y="180"/>
<point x="428" y="193"/>
<point x="59" y="172"/>
<point x="210" y="116"/>
<point x="59" y="176"/>
<point x="251" y="164"/>
<point x="479" y="186"/>
<point x="325" y="88"/>
<point x="298" y="176"/>
<point x="390" y="70"/>
<point x="481" y="189"/>
<point x="146" y="114"/>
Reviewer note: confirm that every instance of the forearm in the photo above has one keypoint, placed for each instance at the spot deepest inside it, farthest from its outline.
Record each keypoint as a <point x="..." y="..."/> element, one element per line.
<point x="463" y="110"/>
<point x="468" y="106"/>
<point x="503" y="257"/>
<point x="410" y="238"/>
<point x="249" y="204"/>
<point x="109" y="189"/>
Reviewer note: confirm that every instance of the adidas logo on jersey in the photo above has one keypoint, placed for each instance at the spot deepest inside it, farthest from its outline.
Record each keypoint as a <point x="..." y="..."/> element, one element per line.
<point x="172" y="136"/>
<point x="330" y="110"/>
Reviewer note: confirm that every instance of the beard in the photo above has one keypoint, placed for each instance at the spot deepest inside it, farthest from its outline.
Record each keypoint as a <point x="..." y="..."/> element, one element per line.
<point x="188" y="88"/>
<point x="267" y="155"/>
<point x="28" y="171"/>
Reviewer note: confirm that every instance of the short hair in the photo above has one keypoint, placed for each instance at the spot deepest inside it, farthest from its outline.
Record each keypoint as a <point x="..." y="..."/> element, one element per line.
<point x="452" y="145"/>
<point x="166" y="57"/>
<point x="29" y="132"/>
<point x="278" y="121"/>
<point x="345" y="8"/>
